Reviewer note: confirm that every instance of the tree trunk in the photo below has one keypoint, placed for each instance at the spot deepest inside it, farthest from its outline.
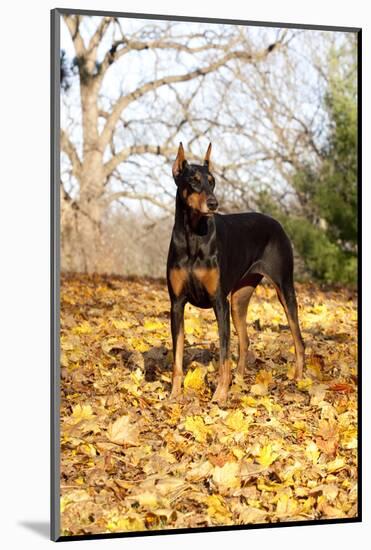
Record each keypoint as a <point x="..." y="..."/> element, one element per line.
<point x="92" y="180"/>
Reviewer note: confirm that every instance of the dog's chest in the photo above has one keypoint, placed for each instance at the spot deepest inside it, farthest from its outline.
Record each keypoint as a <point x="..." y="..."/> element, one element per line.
<point x="197" y="280"/>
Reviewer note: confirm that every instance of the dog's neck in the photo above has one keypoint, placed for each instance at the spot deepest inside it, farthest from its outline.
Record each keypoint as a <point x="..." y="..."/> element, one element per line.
<point x="190" y="227"/>
<point x="190" y="221"/>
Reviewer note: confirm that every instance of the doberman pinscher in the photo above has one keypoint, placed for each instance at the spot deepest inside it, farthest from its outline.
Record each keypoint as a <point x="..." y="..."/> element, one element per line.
<point x="212" y="256"/>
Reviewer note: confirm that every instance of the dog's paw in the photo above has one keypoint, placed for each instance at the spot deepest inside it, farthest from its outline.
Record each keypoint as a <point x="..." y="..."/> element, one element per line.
<point x="220" y="396"/>
<point x="175" y="396"/>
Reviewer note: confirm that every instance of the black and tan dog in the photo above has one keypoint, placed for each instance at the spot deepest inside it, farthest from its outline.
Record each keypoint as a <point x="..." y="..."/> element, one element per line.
<point x="212" y="256"/>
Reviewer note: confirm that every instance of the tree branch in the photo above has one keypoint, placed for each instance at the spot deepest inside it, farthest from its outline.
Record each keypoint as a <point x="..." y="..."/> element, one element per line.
<point x="114" y="53"/>
<point x="139" y="197"/>
<point x="68" y="148"/>
<point x="73" y="23"/>
<point x="125" y="153"/>
<point x="99" y="33"/>
<point x="124" y="101"/>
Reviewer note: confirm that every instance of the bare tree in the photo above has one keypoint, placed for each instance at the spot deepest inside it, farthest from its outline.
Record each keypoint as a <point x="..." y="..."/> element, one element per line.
<point x="258" y="94"/>
<point x="111" y="139"/>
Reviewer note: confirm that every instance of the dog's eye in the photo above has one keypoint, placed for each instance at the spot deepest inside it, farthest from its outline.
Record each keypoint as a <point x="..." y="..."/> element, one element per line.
<point x="211" y="181"/>
<point x="196" y="185"/>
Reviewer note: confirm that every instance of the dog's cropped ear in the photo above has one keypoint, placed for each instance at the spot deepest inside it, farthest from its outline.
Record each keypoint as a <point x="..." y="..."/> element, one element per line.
<point x="207" y="161"/>
<point x="179" y="162"/>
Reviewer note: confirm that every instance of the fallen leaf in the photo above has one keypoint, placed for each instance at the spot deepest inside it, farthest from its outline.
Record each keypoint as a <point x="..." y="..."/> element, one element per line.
<point x="336" y="465"/>
<point x="305" y="384"/>
<point x="266" y="456"/>
<point x="217" y="509"/>
<point x="82" y="412"/>
<point x="200" y="470"/>
<point x="237" y="422"/>
<point x="286" y="506"/>
<point x="194" y="379"/>
<point x="83" y="328"/>
<point x="316" y="365"/>
<point x="153" y="325"/>
<point x="263" y="379"/>
<point x="146" y="499"/>
<point x="341" y="387"/>
<point x="197" y="427"/>
<point x="227" y="476"/>
<point x="328" y="436"/>
<point x="312" y="452"/>
<point x="192" y="463"/>
<point x="123" y="432"/>
<point x="220" y="459"/>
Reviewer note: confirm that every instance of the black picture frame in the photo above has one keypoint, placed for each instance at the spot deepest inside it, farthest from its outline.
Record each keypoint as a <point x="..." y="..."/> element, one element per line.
<point x="55" y="272"/>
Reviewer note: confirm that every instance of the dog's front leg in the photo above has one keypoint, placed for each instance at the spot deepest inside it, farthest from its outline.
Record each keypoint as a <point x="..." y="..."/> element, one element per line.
<point x="177" y="333"/>
<point x="221" y="309"/>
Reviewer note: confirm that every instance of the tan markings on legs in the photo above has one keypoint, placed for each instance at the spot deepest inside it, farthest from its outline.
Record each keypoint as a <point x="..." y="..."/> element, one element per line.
<point x="239" y="303"/>
<point x="178" y="364"/>
<point x="296" y="334"/>
<point x="209" y="278"/>
<point x="221" y="392"/>
<point x="178" y="277"/>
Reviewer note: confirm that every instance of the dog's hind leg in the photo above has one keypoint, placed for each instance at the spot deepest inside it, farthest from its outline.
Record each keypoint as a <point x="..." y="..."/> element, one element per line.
<point x="283" y="282"/>
<point x="286" y="295"/>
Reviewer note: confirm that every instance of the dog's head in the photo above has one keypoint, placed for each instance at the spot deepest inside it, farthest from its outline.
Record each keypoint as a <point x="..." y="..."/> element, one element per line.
<point x="195" y="183"/>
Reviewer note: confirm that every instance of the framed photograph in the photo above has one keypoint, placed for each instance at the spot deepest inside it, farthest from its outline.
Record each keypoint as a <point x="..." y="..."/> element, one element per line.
<point x="198" y="164"/>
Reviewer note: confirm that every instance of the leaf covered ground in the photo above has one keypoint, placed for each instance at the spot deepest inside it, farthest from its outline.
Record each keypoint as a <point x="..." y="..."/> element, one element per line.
<point x="279" y="451"/>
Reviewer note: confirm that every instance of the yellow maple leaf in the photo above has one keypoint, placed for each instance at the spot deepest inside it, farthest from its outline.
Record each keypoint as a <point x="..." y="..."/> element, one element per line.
<point x="198" y="428"/>
<point x="217" y="509"/>
<point x="83" y="328"/>
<point x="81" y="412"/>
<point x="267" y="456"/>
<point x="194" y="379"/>
<point x="248" y="401"/>
<point x="305" y="384"/>
<point x="152" y="325"/>
<point x="286" y="505"/>
<point x="236" y="421"/>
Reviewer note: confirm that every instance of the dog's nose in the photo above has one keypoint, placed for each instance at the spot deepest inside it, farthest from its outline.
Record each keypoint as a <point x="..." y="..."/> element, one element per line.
<point x="212" y="203"/>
